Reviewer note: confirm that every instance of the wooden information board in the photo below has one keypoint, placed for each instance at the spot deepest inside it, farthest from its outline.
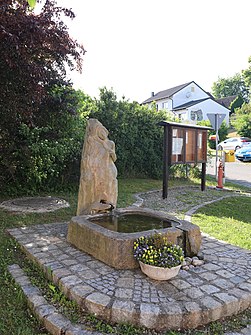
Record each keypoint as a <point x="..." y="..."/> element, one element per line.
<point x="184" y="144"/>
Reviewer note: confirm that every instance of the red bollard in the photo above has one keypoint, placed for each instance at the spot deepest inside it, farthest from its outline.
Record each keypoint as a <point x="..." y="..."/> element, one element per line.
<point x="220" y="175"/>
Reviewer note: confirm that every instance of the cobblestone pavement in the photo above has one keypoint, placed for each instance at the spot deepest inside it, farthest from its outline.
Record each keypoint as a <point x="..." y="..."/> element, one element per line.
<point x="220" y="287"/>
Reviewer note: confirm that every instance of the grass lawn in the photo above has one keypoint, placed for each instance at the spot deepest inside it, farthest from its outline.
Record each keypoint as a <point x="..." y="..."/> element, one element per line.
<point x="228" y="220"/>
<point x="15" y="317"/>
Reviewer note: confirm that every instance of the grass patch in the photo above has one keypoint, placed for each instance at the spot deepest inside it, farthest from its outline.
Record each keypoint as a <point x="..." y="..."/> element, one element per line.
<point x="228" y="220"/>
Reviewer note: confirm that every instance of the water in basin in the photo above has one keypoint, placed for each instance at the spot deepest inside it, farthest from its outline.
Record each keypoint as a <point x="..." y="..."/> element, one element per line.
<point x="132" y="223"/>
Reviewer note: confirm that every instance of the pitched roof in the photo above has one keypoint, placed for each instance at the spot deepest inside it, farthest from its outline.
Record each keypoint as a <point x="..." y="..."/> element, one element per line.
<point x="226" y="102"/>
<point x="166" y="93"/>
<point x="189" y="104"/>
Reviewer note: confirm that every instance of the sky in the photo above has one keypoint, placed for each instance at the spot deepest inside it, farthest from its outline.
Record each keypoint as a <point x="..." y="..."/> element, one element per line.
<point x="141" y="46"/>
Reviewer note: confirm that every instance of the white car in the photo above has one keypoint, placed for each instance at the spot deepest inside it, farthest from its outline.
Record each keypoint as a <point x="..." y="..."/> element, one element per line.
<point x="233" y="143"/>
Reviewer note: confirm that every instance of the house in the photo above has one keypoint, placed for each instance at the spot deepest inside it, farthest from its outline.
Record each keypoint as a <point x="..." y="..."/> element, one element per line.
<point x="226" y="101"/>
<point x="189" y="102"/>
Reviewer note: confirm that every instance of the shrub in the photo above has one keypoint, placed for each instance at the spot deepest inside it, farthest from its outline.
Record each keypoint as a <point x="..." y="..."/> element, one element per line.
<point x="135" y="132"/>
<point x="46" y="154"/>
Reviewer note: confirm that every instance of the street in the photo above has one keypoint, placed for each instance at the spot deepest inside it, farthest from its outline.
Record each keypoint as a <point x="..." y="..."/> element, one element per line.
<point x="238" y="172"/>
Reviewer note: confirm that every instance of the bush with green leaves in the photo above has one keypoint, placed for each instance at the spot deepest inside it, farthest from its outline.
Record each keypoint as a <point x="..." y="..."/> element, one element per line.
<point x="45" y="154"/>
<point x="135" y="131"/>
<point x="241" y="120"/>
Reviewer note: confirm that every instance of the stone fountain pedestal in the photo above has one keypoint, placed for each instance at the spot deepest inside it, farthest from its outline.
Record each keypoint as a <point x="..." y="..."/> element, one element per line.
<point x="116" y="249"/>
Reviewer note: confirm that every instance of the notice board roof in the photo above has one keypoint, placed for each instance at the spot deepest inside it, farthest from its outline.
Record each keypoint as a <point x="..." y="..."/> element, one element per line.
<point x="182" y="125"/>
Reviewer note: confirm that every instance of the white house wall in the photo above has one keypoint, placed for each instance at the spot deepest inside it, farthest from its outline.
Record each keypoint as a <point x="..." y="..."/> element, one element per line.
<point x="164" y="104"/>
<point x="189" y="93"/>
<point x="209" y="107"/>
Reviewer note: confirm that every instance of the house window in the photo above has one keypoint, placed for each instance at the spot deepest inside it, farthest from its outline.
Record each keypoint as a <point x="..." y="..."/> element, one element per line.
<point x="165" y="105"/>
<point x="192" y="88"/>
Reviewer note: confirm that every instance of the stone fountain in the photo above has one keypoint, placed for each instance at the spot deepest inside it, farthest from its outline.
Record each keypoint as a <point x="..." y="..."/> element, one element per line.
<point x="97" y="227"/>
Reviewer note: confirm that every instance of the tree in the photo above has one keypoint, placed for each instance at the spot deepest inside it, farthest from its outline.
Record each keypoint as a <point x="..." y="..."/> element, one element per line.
<point x="242" y="120"/>
<point x="236" y="103"/>
<point x="235" y="85"/>
<point x="247" y="74"/>
<point x="34" y="52"/>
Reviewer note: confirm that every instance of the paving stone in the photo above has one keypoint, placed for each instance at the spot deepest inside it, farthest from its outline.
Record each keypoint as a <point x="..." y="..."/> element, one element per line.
<point x="243" y="296"/>
<point x="122" y="311"/>
<point x="237" y="280"/>
<point x="69" y="262"/>
<point x="30" y="290"/>
<point x="36" y="300"/>
<point x="212" y="309"/>
<point x="242" y="261"/>
<point x="60" y="273"/>
<point x="194" y="293"/>
<point x="180" y="284"/>
<point x="209" y="289"/>
<point x="63" y="257"/>
<point x="88" y="274"/>
<point x="192" y="318"/>
<point x="245" y="286"/>
<point x="231" y="304"/>
<point x="125" y="282"/>
<point x="225" y="260"/>
<point x="224" y="284"/>
<point x="211" y="267"/>
<point x="44" y="310"/>
<point x="225" y="274"/>
<point x="125" y="293"/>
<point x="66" y="283"/>
<point x="172" y="316"/>
<point x="208" y="276"/>
<point x="97" y="303"/>
<point x="194" y="281"/>
<point x="78" y="268"/>
<point x="79" y="292"/>
<point x="56" y="323"/>
<point x="74" y="330"/>
<point x="149" y="315"/>
<point x="211" y="258"/>
<point x="23" y="280"/>
<point x="247" y="330"/>
<point x="53" y="265"/>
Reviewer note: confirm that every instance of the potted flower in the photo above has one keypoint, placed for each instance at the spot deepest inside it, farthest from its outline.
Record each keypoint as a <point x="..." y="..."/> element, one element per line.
<point x="158" y="258"/>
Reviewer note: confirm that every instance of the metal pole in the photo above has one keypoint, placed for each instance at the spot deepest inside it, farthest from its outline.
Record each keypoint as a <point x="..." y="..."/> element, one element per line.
<point x="216" y="143"/>
<point x="165" y="164"/>
<point x="203" y="177"/>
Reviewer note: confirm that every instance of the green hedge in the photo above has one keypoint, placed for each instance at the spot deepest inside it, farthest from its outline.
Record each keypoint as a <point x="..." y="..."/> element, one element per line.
<point x="134" y="129"/>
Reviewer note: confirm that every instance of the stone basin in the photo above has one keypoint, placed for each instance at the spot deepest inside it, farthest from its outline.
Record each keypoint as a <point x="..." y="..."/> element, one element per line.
<point x="116" y="248"/>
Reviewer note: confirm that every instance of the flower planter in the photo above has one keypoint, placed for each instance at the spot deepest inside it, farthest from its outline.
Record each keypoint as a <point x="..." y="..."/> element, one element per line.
<point x="159" y="273"/>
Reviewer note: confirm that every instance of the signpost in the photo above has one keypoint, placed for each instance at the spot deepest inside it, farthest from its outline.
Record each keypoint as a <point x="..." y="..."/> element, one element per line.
<point x="216" y="121"/>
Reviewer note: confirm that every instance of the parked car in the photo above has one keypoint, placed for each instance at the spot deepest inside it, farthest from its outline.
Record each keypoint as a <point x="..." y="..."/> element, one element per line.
<point x="244" y="153"/>
<point x="233" y="143"/>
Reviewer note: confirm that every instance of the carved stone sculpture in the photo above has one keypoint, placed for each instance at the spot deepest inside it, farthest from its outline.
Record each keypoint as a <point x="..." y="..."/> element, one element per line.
<point x="98" y="187"/>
